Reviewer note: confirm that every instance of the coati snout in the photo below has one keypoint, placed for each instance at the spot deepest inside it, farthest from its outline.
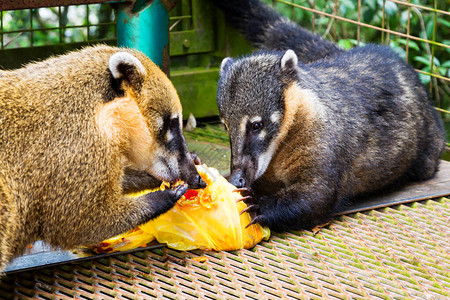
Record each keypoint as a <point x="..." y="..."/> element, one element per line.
<point x="237" y="178"/>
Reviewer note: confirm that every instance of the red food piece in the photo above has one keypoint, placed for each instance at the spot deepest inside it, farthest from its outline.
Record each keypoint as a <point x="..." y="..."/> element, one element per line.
<point x="191" y="194"/>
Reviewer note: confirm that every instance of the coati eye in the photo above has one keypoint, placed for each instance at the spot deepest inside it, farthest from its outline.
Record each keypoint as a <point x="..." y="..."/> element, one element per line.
<point x="174" y="123"/>
<point x="257" y="126"/>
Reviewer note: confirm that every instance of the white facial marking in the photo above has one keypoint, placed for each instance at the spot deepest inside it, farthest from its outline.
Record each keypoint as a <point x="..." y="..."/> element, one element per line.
<point x="243" y="126"/>
<point x="169" y="136"/>
<point x="165" y="167"/>
<point x="242" y="133"/>
<point x="255" y="119"/>
<point x="173" y="163"/>
<point x="159" y="122"/>
<point x="275" y="117"/>
<point x="264" y="160"/>
<point x="177" y="115"/>
<point x="262" y="134"/>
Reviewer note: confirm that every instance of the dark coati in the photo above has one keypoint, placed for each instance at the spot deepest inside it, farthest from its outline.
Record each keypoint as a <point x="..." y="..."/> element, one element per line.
<point x="76" y="132"/>
<point x="312" y="126"/>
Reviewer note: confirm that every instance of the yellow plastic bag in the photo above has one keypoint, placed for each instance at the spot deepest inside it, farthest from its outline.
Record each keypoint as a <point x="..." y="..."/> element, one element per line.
<point x="208" y="220"/>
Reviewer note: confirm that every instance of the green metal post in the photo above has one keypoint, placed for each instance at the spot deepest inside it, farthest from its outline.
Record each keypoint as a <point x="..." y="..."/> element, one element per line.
<point x="144" y="25"/>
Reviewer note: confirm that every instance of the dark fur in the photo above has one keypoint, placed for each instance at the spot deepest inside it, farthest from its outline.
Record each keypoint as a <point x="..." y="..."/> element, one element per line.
<point x="365" y="124"/>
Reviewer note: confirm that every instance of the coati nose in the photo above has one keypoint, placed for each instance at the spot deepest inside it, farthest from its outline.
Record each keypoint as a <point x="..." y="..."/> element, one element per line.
<point x="237" y="178"/>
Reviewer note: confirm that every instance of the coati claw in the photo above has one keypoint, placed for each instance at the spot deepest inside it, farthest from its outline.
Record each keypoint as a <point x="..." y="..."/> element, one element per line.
<point x="252" y="207"/>
<point x="244" y="189"/>
<point x="244" y="198"/>
<point x="252" y="222"/>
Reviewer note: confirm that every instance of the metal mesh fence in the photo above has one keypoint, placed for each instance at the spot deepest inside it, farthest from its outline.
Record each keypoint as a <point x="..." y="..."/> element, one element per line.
<point x="56" y="25"/>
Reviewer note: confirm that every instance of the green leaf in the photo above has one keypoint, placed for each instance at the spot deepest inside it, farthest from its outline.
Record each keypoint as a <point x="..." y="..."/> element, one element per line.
<point x="346" y="5"/>
<point x="389" y="7"/>
<point x="436" y="61"/>
<point x="423" y="60"/>
<point x="368" y="15"/>
<point x="443" y="22"/>
<point x="424" y="78"/>
<point x="404" y="17"/>
<point x="345" y="44"/>
<point x="371" y="3"/>
<point x="442" y="71"/>
<point x="411" y="44"/>
<point x="427" y="61"/>
<point x="397" y="49"/>
<point x="446" y="64"/>
<point x="349" y="43"/>
<point x="429" y="29"/>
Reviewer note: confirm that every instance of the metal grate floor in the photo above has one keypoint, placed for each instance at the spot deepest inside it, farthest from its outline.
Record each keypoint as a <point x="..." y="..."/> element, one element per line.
<point x="390" y="253"/>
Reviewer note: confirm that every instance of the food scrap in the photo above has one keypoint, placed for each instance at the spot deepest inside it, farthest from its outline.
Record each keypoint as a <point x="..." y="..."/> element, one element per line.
<point x="201" y="219"/>
<point x="200" y="259"/>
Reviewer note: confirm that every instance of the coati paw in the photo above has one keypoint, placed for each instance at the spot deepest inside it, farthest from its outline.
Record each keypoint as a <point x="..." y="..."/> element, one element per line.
<point x="178" y="191"/>
<point x="250" y="209"/>
<point x="157" y="203"/>
<point x="257" y="219"/>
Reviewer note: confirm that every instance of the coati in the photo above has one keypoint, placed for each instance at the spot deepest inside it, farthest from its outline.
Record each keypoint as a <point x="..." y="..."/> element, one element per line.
<point x="79" y="130"/>
<point x="312" y="126"/>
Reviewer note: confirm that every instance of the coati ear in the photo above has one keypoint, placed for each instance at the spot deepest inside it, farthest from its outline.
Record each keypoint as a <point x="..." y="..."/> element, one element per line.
<point x="226" y="62"/>
<point x="289" y="60"/>
<point x="125" y="66"/>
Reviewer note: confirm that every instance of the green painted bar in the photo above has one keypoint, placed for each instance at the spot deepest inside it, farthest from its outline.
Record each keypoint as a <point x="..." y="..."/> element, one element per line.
<point x="145" y="27"/>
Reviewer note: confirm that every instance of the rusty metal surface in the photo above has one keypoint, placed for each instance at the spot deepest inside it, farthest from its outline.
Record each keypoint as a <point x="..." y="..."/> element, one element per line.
<point x="25" y="4"/>
<point x="391" y="253"/>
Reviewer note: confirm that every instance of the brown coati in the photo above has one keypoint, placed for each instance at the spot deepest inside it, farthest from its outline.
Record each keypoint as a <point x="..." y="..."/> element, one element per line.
<point x="77" y="131"/>
<point x="312" y="126"/>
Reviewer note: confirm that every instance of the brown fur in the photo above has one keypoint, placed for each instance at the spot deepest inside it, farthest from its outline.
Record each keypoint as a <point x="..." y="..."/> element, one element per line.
<point x="290" y="157"/>
<point x="66" y="137"/>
